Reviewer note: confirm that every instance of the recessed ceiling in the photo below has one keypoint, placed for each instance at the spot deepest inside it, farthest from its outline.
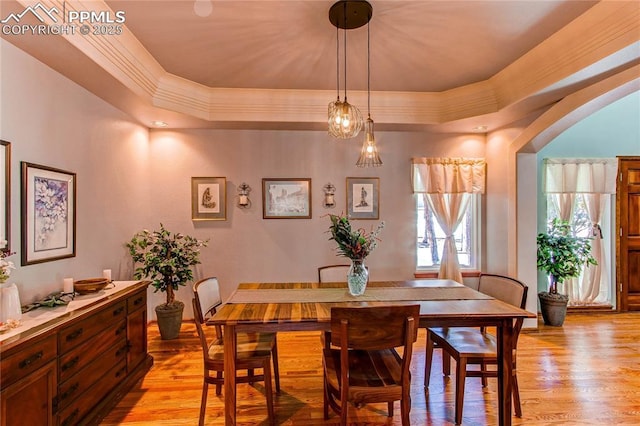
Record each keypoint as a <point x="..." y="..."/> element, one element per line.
<point x="445" y="66"/>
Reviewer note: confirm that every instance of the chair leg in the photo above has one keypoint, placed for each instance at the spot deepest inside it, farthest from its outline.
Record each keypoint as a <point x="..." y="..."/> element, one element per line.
<point x="219" y="384"/>
<point x="268" y="388"/>
<point x="483" y="378"/>
<point x="203" y="402"/>
<point x="461" y="375"/>
<point x="446" y="363"/>
<point x="326" y="398"/>
<point x="390" y="409"/>
<point x="276" y="368"/>
<point x="428" y="360"/>
<point x="515" y="392"/>
<point x="405" y="408"/>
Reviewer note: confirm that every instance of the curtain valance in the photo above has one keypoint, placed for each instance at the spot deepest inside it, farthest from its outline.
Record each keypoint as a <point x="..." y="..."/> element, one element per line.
<point x="448" y="175"/>
<point x="580" y="175"/>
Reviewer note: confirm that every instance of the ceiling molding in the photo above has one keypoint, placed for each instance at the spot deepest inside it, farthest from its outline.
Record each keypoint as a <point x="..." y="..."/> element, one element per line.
<point x="606" y="28"/>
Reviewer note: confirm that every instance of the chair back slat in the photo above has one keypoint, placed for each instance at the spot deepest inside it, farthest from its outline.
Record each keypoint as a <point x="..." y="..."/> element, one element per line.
<point x="373" y="328"/>
<point x="507" y="289"/>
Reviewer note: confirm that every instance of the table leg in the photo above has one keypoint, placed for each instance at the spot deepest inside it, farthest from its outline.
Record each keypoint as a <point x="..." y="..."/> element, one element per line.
<point x="505" y="371"/>
<point x="230" y="355"/>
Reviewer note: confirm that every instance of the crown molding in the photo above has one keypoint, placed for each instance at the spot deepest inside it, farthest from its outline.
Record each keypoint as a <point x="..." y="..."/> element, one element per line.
<point x="591" y="39"/>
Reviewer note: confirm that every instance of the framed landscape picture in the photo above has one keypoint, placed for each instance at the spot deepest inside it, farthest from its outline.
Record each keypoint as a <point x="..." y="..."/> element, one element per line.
<point x="5" y="195"/>
<point x="48" y="214"/>
<point x="209" y="198"/>
<point x="363" y="198"/>
<point x="286" y="198"/>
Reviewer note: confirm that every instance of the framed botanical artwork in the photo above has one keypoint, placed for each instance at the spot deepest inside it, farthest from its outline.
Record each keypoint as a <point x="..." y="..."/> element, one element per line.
<point x="48" y="218"/>
<point x="286" y="198"/>
<point x="363" y="198"/>
<point x="5" y="195"/>
<point x="208" y="198"/>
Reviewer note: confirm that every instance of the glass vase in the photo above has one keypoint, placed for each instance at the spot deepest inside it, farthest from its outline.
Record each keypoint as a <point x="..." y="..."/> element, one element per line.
<point x="357" y="277"/>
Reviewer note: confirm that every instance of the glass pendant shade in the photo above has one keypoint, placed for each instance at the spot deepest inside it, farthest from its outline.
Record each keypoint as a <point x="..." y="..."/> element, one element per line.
<point x="345" y="120"/>
<point x="369" y="156"/>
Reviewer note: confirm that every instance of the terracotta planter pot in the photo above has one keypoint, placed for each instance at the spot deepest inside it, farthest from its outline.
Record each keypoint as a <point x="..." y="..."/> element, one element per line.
<point x="169" y="319"/>
<point x="553" y="308"/>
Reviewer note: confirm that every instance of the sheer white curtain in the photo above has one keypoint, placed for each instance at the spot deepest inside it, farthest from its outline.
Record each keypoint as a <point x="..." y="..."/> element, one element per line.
<point x="447" y="182"/>
<point x="593" y="180"/>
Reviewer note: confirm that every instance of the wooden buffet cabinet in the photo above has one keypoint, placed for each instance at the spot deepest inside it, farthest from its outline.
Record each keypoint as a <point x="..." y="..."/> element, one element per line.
<point x="74" y="369"/>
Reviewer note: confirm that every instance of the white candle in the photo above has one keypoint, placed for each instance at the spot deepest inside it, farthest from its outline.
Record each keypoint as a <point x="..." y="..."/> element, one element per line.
<point x="67" y="285"/>
<point x="106" y="273"/>
<point x="244" y="200"/>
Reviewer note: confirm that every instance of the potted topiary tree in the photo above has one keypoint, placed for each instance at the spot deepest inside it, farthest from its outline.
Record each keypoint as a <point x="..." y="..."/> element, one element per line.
<point x="561" y="255"/>
<point x="167" y="259"/>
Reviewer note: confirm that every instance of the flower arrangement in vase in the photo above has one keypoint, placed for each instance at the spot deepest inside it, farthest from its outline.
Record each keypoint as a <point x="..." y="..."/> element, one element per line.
<point x="355" y="244"/>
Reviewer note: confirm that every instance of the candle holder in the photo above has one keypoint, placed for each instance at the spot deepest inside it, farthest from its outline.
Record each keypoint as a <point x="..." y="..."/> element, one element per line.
<point x="243" y="196"/>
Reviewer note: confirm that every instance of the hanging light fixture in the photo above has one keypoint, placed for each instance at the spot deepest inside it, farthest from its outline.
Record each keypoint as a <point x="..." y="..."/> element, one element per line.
<point x="369" y="156"/>
<point x="345" y="120"/>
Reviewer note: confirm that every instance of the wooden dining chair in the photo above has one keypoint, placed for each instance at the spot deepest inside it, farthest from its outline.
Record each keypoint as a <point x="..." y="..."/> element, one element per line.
<point x="333" y="273"/>
<point x="254" y="350"/>
<point x="475" y="345"/>
<point x="364" y="367"/>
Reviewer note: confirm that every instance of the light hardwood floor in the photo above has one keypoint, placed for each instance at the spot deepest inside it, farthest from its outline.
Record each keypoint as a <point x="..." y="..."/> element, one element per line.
<point x="584" y="373"/>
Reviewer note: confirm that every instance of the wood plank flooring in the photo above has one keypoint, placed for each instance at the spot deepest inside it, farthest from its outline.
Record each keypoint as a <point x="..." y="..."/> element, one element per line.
<point x="584" y="373"/>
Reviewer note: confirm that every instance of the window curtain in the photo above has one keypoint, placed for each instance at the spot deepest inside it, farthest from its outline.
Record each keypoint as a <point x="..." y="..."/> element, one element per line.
<point x="447" y="184"/>
<point x="593" y="180"/>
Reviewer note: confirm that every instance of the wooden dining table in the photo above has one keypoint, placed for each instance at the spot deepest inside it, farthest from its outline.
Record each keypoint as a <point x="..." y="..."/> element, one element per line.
<point x="279" y="307"/>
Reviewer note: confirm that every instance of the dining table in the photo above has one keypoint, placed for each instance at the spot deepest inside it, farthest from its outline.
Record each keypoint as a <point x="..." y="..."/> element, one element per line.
<point x="306" y="306"/>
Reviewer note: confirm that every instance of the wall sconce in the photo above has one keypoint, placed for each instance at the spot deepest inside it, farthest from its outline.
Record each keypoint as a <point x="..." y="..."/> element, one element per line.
<point x="243" y="196"/>
<point x="329" y="200"/>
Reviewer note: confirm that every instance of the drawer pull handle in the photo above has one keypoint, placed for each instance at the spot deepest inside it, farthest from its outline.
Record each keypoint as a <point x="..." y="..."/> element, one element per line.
<point x="70" y="391"/>
<point x="33" y="358"/>
<point x="69" y="420"/>
<point x="118" y="311"/>
<point x="74" y="335"/>
<point x="137" y="301"/>
<point x="120" y="330"/>
<point x="120" y="351"/>
<point x="120" y="372"/>
<point x="70" y="364"/>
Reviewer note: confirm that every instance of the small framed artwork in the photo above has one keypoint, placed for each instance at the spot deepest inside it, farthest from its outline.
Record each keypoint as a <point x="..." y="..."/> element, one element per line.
<point x="48" y="214"/>
<point x="208" y="198"/>
<point x="5" y="195"/>
<point x="286" y="198"/>
<point x="363" y="198"/>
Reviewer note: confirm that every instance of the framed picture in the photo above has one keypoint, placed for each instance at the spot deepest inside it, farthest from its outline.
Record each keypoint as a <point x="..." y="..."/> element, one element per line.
<point x="48" y="214"/>
<point x="363" y="198"/>
<point x="5" y="195"/>
<point x="208" y="198"/>
<point x="286" y="198"/>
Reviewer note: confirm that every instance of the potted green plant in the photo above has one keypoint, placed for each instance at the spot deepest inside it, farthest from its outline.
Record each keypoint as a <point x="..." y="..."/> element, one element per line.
<point x="166" y="259"/>
<point x="355" y="244"/>
<point x="561" y="255"/>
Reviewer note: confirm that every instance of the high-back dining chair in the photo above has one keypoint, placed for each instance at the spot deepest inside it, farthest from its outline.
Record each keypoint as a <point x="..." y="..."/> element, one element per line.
<point x="365" y="367"/>
<point x="332" y="273"/>
<point x="476" y="346"/>
<point x="254" y="350"/>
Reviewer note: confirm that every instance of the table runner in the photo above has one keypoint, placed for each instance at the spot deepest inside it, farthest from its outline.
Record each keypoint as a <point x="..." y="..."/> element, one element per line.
<point x="372" y="294"/>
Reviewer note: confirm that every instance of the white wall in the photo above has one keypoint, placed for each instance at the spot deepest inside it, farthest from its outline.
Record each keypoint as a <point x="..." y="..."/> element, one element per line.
<point x="53" y="122"/>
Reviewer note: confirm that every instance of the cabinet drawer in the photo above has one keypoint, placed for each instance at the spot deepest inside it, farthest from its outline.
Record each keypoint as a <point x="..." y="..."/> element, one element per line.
<point x="29" y="359"/>
<point x="83" y="405"/>
<point x="76" y="385"/>
<point x="114" y="338"/>
<point x="78" y="333"/>
<point x="137" y="301"/>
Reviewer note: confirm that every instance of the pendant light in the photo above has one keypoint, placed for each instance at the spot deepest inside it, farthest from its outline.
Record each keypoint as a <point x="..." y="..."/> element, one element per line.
<point x="345" y="120"/>
<point x="369" y="156"/>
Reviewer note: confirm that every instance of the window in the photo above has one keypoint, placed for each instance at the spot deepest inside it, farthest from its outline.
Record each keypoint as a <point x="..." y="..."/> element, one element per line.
<point x="430" y="242"/>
